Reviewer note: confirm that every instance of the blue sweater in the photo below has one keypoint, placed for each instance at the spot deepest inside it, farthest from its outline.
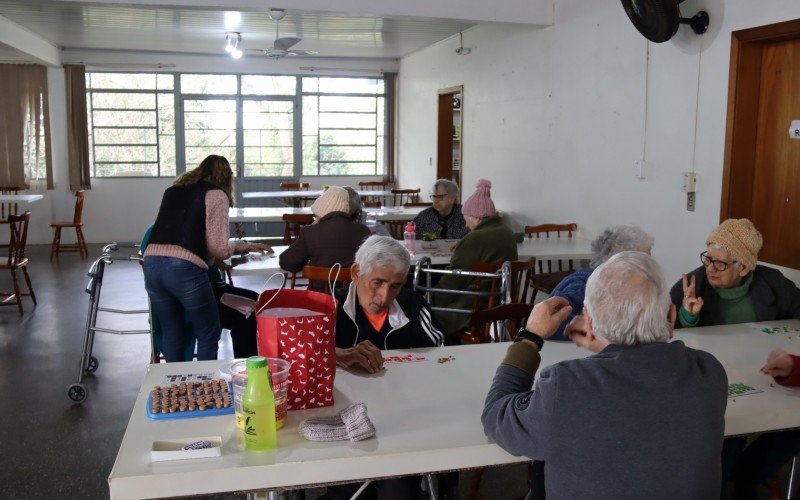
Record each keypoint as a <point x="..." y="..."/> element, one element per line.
<point x="572" y="288"/>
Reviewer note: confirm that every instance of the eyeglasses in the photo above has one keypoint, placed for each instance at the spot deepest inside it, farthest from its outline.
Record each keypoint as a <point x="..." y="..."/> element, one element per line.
<point x="437" y="196"/>
<point x="719" y="265"/>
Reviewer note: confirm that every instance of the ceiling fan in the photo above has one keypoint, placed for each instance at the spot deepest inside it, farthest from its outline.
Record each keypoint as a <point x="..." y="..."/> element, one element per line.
<point x="281" y="47"/>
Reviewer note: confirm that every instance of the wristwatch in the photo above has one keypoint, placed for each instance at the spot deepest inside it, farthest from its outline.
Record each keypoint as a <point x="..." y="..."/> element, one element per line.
<point x="524" y="334"/>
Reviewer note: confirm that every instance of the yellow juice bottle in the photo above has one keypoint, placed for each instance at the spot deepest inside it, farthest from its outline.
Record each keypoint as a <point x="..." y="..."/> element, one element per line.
<point x="258" y="406"/>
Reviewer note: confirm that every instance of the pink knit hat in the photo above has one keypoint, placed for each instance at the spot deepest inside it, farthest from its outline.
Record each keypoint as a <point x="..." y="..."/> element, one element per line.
<point x="480" y="204"/>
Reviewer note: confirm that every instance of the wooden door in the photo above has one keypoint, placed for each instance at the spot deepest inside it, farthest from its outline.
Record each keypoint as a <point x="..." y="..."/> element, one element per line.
<point x="760" y="179"/>
<point x="449" y="142"/>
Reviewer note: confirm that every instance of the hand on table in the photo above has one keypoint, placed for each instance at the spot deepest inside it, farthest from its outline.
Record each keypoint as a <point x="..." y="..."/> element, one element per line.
<point x="244" y="246"/>
<point x="363" y="354"/>
<point x="691" y="302"/>
<point x="547" y="315"/>
<point x="779" y="364"/>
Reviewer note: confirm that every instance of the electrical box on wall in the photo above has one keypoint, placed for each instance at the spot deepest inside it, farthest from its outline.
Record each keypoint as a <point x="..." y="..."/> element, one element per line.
<point x="638" y="169"/>
<point x="689" y="182"/>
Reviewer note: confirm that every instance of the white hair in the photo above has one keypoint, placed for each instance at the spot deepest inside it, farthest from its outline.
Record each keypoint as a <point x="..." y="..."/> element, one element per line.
<point x="719" y="247"/>
<point x="617" y="239"/>
<point x="382" y="251"/>
<point x="627" y="300"/>
<point x="449" y="186"/>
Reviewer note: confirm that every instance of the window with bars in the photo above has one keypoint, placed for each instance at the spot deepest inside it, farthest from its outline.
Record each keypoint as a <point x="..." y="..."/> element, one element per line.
<point x="250" y="119"/>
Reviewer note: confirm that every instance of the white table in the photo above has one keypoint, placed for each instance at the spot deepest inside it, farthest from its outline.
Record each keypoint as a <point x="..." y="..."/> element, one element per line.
<point x="305" y="194"/>
<point x="275" y="214"/>
<point x="427" y="416"/>
<point x="573" y="248"/>
<point x="20" y="198"/>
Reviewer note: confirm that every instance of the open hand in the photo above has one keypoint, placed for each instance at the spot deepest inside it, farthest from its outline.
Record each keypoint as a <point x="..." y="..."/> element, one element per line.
<point x="363" y="354"/>
<point x="245" y="246"/>
<point x="779" y="364"/>
<point x="691" y="302"/>
<point x="547" y="315"/>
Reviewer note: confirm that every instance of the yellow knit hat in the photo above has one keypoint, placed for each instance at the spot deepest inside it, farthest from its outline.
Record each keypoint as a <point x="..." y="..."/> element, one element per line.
<point x="740" y="238"/>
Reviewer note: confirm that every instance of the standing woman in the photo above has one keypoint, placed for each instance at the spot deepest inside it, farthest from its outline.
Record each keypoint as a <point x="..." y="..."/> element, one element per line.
<point x="190" y="232"/>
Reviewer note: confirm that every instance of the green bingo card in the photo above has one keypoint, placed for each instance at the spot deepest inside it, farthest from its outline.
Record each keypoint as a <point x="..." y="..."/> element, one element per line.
<point x="739" y="389"/>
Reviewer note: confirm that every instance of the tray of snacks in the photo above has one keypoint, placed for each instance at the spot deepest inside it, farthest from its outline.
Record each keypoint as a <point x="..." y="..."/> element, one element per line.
<point x="190" y="399"/>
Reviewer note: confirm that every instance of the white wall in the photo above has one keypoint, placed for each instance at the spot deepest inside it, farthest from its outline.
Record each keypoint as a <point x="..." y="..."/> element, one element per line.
<point x="555" y="118"/>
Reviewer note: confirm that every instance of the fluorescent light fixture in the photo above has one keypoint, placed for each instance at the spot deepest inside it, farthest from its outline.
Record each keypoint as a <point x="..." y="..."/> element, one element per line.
<point x="232" y="41"/>
<point x="232" y="20"/>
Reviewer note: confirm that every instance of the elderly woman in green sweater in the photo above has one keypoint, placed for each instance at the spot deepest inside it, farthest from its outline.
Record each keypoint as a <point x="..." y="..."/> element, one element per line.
<point x="489" y="240"/>
<point x="731" y="288"/>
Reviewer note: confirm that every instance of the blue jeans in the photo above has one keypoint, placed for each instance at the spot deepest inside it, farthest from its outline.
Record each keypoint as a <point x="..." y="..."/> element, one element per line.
<point x="179" y="289"/>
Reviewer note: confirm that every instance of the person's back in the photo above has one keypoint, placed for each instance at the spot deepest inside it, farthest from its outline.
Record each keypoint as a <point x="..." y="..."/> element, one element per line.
<point x="635" y="422"/>
<point x="333" y="239"/>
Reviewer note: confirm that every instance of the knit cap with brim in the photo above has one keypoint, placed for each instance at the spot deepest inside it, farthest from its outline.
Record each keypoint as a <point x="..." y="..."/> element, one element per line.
<point x="740" y="238"/>
<point x="334" y="199"/>
<point x="480" y="204"/>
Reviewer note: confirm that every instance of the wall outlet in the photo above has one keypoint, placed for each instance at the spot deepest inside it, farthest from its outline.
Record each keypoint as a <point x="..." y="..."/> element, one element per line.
<point x="638" y="169"/>
<point x="689" y="182"/>
<point x="690" y="200"/>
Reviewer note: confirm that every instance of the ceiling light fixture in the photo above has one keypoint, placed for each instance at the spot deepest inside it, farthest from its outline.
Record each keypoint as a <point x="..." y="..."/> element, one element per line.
<point x="232" y="42"/>
<point x="461" y="50"/>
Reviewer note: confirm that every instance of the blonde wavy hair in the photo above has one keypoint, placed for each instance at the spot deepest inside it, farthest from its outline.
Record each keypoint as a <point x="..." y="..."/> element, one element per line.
<point x="214" y="169"/>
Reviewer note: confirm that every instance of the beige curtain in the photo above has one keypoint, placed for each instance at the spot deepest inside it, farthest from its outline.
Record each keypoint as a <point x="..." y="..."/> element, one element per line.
<point x="77" y="128"/>
<point x="390" y="80"/>
<point x="24" y="125"/>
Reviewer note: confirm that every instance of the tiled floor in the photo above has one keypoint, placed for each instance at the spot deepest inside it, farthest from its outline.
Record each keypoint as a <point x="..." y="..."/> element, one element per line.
<point x="54" y="448"/>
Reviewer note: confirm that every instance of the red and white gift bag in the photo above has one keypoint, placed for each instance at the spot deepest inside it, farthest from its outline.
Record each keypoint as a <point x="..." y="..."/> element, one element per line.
<point x="299" y="326"/>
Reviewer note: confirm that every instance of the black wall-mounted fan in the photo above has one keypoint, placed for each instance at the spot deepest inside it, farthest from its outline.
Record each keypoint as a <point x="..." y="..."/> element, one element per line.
<point x="658" y="20"/>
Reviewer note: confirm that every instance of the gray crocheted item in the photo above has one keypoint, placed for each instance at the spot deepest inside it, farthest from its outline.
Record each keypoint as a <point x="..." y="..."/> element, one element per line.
<point x="359" y="426"/>
<point x="351" y="423"/>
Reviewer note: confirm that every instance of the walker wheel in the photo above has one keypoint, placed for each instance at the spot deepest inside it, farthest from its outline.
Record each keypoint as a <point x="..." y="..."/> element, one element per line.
<point x="92" y="366"/>
<point x="77" y="393"/>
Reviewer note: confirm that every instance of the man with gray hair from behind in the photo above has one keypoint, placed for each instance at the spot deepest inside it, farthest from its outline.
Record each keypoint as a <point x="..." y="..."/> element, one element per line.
<point x="642" y="417"/>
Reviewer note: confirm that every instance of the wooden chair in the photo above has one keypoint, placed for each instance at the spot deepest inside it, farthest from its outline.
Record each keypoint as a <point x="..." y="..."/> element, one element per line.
<point x="554" y="271"/>
<point x="80" y="245"/>
<point x="520" y="271"/>
<point x="504" y="320"/>
<point x="396" y="228"/>
<point x="295" y="186"/>
<point x="11" y="207"/>
<point x="16" y="260"/>
<point x="373" y="186"/>
<point x="319" y="278"/>
<point x="292" y="225"/>
<point x="402" y="196"/>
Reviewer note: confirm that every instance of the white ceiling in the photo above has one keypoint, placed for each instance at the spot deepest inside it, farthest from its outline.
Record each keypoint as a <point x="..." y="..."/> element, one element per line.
<point x="77" y="25"/>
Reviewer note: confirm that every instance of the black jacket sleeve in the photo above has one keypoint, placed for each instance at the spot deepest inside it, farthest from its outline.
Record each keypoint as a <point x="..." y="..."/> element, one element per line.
<point x="296" y="256"/>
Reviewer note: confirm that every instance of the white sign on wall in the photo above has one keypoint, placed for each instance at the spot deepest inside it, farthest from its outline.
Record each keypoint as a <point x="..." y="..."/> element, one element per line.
<point x="794" y="130"/>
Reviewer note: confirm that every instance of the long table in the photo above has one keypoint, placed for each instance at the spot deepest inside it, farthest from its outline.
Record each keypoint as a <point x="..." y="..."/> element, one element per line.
<point x="439" y="252"/>
<point x="427" y="416"/>
<point x="275" y="214"/>
<point x="305" y="194"/>
<point x="20" y="198"/>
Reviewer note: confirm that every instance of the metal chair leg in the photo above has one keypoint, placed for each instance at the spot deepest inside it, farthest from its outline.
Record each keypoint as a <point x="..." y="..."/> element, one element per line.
<point x="791" y="490"/>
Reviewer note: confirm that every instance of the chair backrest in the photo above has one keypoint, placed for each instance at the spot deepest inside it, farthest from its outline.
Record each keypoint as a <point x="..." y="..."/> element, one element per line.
<point x="494" y="284"/>
<point x="76" y="218"/>
<point x="402" y="196"/>
<point x="319" y="278"/>
<point x="19" y="237"/>
<point x="520" y="270"/>
<point x="294" y="186"/>
<point x="293" y="224"/>
<point x="373" y="185"/>
<point x="371" y="204"/>
<point x="396" y="228"/>
<point x="545" y="230"/>
<point x="499" y="323"/>
<point x="12" y="207"/>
